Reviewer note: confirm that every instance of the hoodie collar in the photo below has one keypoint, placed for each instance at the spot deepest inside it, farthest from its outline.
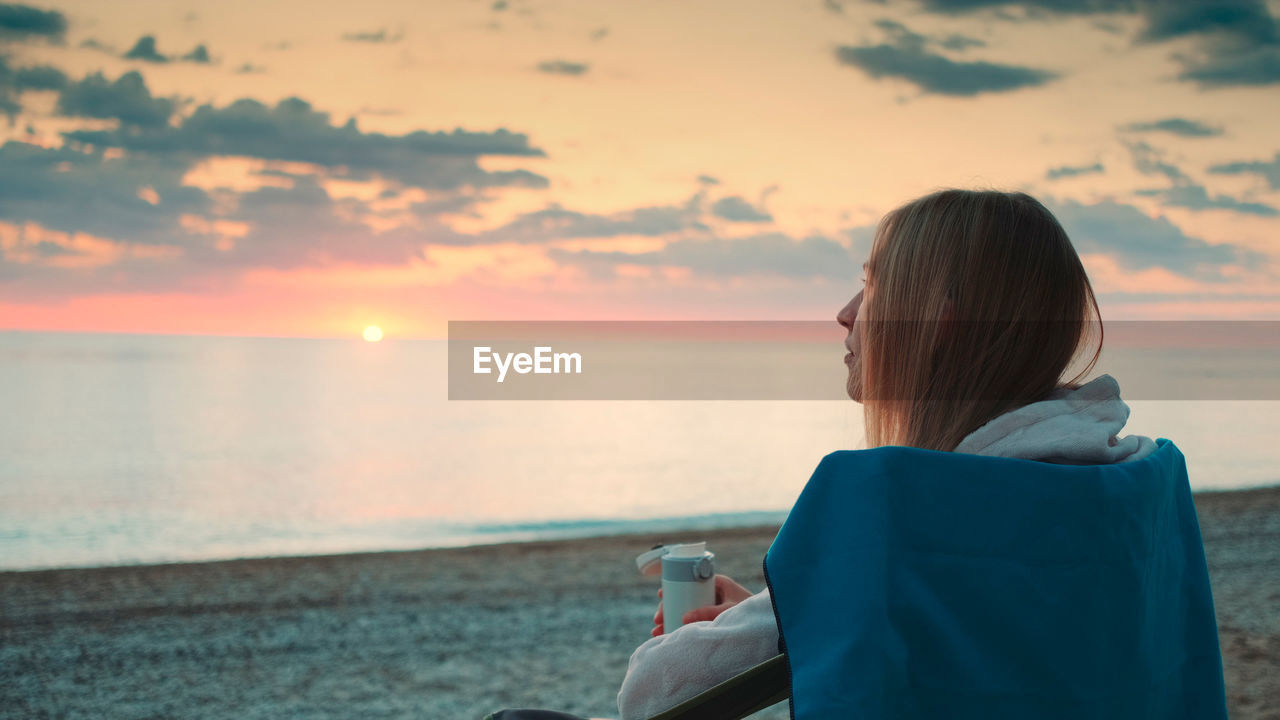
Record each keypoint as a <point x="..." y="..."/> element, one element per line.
<point x="1078" y="426"/>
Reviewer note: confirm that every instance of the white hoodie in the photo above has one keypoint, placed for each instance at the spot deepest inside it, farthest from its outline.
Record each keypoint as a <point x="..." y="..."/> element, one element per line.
<point x="1078" y="427"/>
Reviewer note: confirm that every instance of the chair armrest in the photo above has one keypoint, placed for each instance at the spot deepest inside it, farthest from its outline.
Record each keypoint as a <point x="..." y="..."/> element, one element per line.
<point x="741" y="695"/>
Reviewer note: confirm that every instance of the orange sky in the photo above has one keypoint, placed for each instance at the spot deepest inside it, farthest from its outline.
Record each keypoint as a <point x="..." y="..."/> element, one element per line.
<point x="712" y="160"/>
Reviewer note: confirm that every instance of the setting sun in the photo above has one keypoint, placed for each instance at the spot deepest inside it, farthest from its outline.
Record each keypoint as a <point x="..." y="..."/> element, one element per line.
<point x="373" y="333"/>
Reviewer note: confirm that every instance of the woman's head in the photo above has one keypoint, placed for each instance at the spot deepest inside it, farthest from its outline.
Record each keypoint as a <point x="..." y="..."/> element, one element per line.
<point x="975" y="304"/>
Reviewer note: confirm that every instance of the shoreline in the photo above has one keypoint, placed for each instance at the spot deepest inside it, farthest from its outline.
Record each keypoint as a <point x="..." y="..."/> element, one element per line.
<point x="643" y="528"/>
<point x="454" y="632"/>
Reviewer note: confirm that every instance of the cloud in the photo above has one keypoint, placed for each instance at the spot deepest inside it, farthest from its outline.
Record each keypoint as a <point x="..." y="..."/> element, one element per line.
<point x="1149" y="161"/>
<point x="96" y="44"/>
<point x="772" y="254"/>
<point x="563" y="67"/>
<point x="1269" y="169"/>
<point x="127" y="100"/>
<point x="1244" y="18"/>
<point x="555" y="222"/>
<point x="249" y="69"/>
<point x="76" y="191"/>
<point x="293" y="131"/>
<point x="145" y="50"/>
<point x="1196" y="197"/>
<point x="1185" y="192"/>
<point x="599" y="33"/>
<point x="961" y="42"/>
<point x="708" y="180"/>
<point x="1070" y="171"/>
<point x="15" y="82"/>
<point x="1176" y="126"/>
<point x="200" y="54"/>
<point x="1239" y="40"/>
<point x="20" y="22"/>
<point x="1240" y="43"/>
<point x="374" y="37"/>
<point x="1033" y="8"/>
<point x="905" y="56"/>
<point x="736" y="209"/>
<point x="1233" y="67"/>
<point x="39" y="77"/>
<point x="303" y="226"/>
<point x="1138" y="242"/>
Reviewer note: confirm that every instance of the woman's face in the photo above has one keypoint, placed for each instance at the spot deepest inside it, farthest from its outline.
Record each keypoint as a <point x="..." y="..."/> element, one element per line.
<point x="848" y="319"/>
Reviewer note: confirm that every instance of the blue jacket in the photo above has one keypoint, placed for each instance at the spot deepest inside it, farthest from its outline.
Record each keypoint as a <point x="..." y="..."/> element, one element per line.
<point x="912" y="583"/>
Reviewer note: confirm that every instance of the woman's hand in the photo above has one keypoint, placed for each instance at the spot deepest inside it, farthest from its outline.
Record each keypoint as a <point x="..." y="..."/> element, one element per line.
<point x="728" y="594"/>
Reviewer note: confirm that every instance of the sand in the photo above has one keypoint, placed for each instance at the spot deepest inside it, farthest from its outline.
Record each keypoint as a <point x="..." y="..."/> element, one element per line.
<point x="452" y="633"/>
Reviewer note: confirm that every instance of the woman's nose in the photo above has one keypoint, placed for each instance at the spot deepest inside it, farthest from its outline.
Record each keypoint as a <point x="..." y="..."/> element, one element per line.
<point x="849" y="313"/>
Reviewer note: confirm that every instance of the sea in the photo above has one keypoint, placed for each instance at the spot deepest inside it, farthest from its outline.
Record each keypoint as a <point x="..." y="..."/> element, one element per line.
<point x="129" y="449"/>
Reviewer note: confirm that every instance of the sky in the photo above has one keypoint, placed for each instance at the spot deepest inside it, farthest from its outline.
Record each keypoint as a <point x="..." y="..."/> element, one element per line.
<point x="286" y="168"/>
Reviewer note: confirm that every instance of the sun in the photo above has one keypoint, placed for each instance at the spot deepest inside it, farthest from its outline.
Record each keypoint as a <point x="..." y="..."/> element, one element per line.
<point x="373" y="333"/>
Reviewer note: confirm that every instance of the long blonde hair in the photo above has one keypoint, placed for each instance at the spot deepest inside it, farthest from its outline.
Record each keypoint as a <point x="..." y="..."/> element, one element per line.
<point x="976" y="303"/>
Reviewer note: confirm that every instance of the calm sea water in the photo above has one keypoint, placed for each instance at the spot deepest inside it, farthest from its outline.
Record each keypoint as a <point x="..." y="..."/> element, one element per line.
<point x="119" y="449"/>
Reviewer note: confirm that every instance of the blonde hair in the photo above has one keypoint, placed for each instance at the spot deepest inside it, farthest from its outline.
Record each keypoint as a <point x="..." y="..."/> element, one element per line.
<point x="976" y="303"/>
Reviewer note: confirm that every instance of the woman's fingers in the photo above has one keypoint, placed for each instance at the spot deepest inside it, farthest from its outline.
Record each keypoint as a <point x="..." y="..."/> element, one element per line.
<point x="711" y="612"/>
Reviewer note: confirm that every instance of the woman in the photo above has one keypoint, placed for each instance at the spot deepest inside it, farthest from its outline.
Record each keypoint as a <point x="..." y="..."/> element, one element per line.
<point x="974" y="305"/>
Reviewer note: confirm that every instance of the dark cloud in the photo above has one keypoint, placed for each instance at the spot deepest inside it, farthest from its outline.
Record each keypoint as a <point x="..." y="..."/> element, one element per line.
<point x="303" y="226"/>
<point x="200" y="54"/>
<point x="905" y="57"/>
<point x="1139" y="242"/>
<point x="1233" y="67"/>
<point x="1239" y="40"/>
<point x="563" y="67"/>
<point x="95" y="44"/>
<point x="1075" y="7"/>
<point x="708" y="180"/>
<point x="39" y="77"/>
<point x="14" y="82"/>
<point x="1149" y="161"/>
<point x="294" y="131"/>
<point x="74" y="191"/>
<point x="1247" y="19"/>
<point x="499" y="6"/>
<point x="139" y="201"/>
<point x="1073" y="171"/>
<point x="145" y="50"/>
<point x="961" y="42"/>
<point x="833" y="6"/>
<point x="736" y="209"/>
<point x="23" y="21"/>
<point x="1185" y="192"/>
<point x="1269" y="169"/>
<point x="555" y="222"/>
<point x="1196" y="197"/>
<point x="375" y="37"/>
<point x="599" y="33"/>
<point x="249" y="69"/>
<point x="1176" y="126"/>
<point x="127" y="100"/>
<point x="770" y="254"/>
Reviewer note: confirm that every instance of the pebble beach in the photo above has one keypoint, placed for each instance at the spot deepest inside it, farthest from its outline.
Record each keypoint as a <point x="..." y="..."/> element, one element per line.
<point x="454" y="633"/>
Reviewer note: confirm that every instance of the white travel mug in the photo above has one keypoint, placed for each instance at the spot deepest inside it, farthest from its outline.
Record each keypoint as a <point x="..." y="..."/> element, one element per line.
<point x="688" y="579"/>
